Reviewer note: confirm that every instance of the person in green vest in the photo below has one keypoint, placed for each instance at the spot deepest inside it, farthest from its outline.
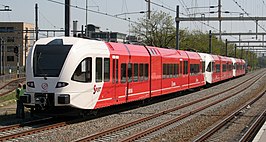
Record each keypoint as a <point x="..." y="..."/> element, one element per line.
<point x="20" y="108"/>
<point x="18" y="101"/>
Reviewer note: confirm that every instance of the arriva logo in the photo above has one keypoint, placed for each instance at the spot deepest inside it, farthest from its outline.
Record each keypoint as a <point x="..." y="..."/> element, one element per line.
<point x="96" y="89"/>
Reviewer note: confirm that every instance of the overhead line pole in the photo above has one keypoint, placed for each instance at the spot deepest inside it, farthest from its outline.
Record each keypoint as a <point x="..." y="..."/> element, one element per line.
<point x="177" y="28"/>
<point x="149" y="9"/>
<point x="67" y="17"/>
<point x="86" y="30"/>
<point x="36" y="22"/>
<point x="219" y="17"/>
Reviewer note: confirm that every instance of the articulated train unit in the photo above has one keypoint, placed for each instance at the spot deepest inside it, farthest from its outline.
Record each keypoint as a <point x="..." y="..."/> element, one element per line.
<point x="84" y="74"/>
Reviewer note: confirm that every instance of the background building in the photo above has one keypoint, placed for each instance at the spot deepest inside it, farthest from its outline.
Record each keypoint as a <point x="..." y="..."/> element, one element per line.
<point x="15" y="41"/>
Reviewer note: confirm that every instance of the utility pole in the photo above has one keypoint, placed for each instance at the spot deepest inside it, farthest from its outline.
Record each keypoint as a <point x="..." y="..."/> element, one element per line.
<point x="177" y="27"/>
<point x="86" y="30"/>
<point x="67" y="17"/>
<point x="1" y="55"/>
<point x="210" y="42"/>
<point x="235" y="50"/>
<point x="36" y="22"/>
<point x="149" y="9"/>
<point x="226" y="44"/>
<point x="26" y="48"/>
<point x="219" y="17"/>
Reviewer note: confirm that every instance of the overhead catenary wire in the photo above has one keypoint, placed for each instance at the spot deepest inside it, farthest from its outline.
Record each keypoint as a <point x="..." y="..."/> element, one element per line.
<point x="248" y="14"/>
<point x="98" y="12"/>
<point x="48" y="21"/>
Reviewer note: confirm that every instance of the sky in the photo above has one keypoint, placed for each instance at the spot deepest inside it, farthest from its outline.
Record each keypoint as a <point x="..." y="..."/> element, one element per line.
<point x="51" y="14"/>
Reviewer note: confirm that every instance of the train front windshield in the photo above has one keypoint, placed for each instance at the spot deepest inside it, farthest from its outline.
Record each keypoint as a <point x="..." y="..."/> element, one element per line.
<point x="48" y="60"/>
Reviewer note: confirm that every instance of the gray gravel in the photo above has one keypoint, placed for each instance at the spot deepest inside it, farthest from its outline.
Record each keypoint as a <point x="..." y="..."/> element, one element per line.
<point x="75" y="131"/>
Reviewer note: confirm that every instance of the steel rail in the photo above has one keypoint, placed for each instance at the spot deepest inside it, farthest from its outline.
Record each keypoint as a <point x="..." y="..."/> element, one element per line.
<point x="217" y="127"/>
<point x="123" y="126"/>
<point x="15" y="126"/>
<point x="167" y="123"/>
<point x="252" y="131"/>
<point x="33" y="131"/>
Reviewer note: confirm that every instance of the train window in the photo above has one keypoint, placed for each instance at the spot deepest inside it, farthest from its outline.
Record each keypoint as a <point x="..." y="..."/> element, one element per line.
<point x="203" y="66"/>
<point x="146" y="71"/>
<point x="141" y="72"/>
<point x="177" y="70"/>
<point x="99" y="70"/>
<point x="218" y="67"/>
<point x="83" y="71"/>
<point x="115" y="71"/>
<point x="224" y="68"/>
<point x="181" y="67"/>
<point x="49" y="59"/>
<point x="123" y="73"/>
<point x="185" y="71"/>
<point x="170" y="68"/>
<point x="209" y="68"/>
<point x="129" y="72"/>
<point x="194" y="69"/>
<point x="230" y="67"/>
<point x="106" y="69"/>
<point x="136" y="73"/>
<point x="168" y="71"/>
<point x="164" y="70"/>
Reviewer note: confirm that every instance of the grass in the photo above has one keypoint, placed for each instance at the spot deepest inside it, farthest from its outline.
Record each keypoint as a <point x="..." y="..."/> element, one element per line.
<point x="8" y="97"/>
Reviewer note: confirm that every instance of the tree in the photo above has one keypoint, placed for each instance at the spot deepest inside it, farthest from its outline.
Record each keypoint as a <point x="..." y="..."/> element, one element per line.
<point x="158" y="31"/>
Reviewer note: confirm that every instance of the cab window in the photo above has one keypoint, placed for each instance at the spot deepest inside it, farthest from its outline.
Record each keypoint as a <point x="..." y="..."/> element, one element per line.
<point x="83" y="71"/>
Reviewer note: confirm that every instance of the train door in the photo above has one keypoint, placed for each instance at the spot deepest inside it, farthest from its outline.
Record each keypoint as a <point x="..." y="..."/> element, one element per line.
<point x="115" y="76"/>
<point x="120" y="65"/>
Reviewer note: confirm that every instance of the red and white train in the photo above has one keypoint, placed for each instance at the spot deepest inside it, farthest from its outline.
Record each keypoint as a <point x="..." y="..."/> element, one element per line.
<point x="88" y="74"/>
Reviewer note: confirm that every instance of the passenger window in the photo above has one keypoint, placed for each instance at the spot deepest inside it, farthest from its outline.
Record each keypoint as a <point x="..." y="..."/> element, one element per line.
<point x="136" y="73"/>
<point x="203" y="67"/>
<point x="99" y="72"/>
<point x="115" y="71"/>
<point x="185" y="67"/>
<point x="164" y="71"/>
<point x="218" y="67"/>
<point x="146" y="72"/>
<point x="106" y="69"/>
<point x="170" y="67"/>
<point x="129" y="72"/>
<point x="83" y="71"/>
<point x="140" y="72"/>
<point x="181" y="67"/>
<point x="123" y="73"/>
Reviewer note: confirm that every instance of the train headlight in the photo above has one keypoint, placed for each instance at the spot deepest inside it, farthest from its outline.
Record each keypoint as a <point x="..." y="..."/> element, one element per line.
<point x="61" y="84"/>
<point x="31" y="84"/>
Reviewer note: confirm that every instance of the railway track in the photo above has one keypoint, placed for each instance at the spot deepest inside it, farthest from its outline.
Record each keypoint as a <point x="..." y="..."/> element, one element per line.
<point x="252" y="131"/>
<point x="31" y="127"/>
<point x="16" y="126"/>
<point x="249" y="134"/>
<point x="142" y="127"/>
<point x="101" y="135"/>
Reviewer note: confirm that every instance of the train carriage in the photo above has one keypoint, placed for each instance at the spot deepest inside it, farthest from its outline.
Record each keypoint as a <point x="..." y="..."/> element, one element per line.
<point x="216" y="69"/>
<point x="242" y="69"/>
<point x="226" y="68"/>
<point x="208" y="71"/>
<point x="196" y="77"/>
<point x="84" y="74"/>
<point x="172" y="80"/>
<point x="156" y="71"/>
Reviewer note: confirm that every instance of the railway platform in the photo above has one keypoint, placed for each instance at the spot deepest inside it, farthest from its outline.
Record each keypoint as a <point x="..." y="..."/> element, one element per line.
<point x="261" y="135"/>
